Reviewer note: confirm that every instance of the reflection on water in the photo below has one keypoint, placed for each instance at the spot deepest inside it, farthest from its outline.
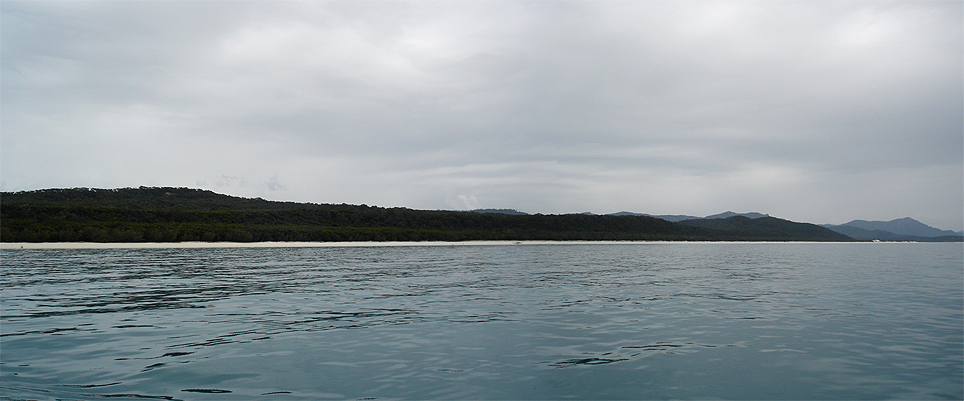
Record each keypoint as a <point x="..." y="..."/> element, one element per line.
<point x="584" y="321"/>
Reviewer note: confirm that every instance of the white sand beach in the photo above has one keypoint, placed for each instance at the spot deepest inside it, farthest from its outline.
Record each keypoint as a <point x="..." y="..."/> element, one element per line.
<point x="159" y="245"/>
<point x="137" y="245"/>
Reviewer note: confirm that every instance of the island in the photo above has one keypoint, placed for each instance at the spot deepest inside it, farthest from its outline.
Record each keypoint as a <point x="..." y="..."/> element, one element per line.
<point x="166" y="214"/>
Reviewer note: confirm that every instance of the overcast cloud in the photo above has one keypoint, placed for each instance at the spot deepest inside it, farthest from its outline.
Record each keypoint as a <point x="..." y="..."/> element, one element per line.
<point x="819" y="111"/>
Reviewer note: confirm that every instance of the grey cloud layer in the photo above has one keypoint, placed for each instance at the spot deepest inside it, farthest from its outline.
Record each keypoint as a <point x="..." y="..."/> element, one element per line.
<point x="817" y="111"/>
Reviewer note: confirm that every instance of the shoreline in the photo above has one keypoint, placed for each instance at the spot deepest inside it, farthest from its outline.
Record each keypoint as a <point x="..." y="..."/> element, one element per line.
<point x="177" y="245"/>
<point x="198" y="244"/>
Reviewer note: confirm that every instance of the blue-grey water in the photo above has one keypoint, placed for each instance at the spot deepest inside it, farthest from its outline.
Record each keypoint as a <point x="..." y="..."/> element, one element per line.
<point x="558" y="321"/>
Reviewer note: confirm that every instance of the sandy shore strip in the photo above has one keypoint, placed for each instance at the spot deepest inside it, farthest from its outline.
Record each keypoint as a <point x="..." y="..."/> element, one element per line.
<point x="152" y="245"/>
<point x="173" y="245"/>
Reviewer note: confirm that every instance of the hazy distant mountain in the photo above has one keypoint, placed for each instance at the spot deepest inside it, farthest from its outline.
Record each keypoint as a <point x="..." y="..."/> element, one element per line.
<point x="904" y="226"/>
<point x="668" y="217"/>
<point x="867" y="235"/>
<point x="500" y="211"/>
<point x="674" y="217"/>
<point x="905" y="229"/>
<point x="726" y="215"/>
<point x="680" y="217"/>
<point x="625" y="213"/>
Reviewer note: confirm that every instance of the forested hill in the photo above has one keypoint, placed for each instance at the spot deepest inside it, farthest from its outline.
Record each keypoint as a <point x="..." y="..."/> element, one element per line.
<point x="151" y="198"/>
<point x="184" y="214"/>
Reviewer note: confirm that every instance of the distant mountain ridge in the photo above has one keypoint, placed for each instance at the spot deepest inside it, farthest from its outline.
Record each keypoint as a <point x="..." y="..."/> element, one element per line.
<point x="500" y="211"/>
<point x="904" y="226"/>
<point x="681" y="217"/>
<point x="668" y="217"/>
<point x="903" y="229"/>
<point x="726" y="215"/>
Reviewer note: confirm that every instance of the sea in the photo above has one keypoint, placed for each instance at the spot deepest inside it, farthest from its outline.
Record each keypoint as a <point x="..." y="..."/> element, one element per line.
<point x="509" y="321"/>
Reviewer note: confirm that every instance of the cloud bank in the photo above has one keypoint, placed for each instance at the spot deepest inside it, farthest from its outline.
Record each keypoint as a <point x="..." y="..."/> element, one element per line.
<point x="811" y="111"/>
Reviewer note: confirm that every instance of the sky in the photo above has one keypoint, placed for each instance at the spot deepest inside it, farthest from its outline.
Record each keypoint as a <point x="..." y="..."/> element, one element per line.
<point x="813" y="111"/>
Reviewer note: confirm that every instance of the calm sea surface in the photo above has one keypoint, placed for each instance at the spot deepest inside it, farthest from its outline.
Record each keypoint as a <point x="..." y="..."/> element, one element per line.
<point x="560" y="321"/>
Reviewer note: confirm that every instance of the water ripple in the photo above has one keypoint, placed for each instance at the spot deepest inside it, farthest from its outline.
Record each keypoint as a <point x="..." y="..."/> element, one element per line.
<point x="624" y="321"/>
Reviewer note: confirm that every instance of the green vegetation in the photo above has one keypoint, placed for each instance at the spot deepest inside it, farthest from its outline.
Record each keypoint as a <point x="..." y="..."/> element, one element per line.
<point x="184" y="214"/>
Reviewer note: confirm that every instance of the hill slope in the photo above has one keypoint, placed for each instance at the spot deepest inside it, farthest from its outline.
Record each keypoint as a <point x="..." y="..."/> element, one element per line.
<point x="767" y="228"/>
<point x="904" y="226"/>
<point x="905" y="229"/>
